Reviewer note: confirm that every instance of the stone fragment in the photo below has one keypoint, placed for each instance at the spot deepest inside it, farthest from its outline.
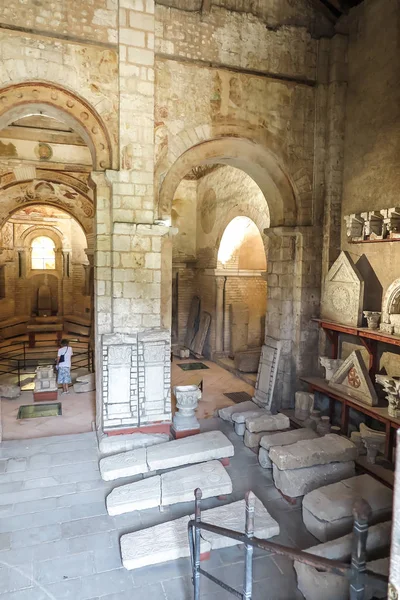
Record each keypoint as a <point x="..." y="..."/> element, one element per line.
<point x="135" y="496"/>
<point x="10" y="391"/>
<point x="112" y="444"/>
<point x="331" y="365"/>
<point x="343" y="292"/>
<point x="178" y="486"/>
<point x="239" y="419"/>
<point x="85" y="383"/>
<point x="267" y="372"/>
<point x="303" y="405"/>
<point x="308" y="453"/>
<point x="328" y="511"/>
<point x="196" y="448"/>
<point x="143" y="548"/>
<point x="252" y="440"/>
<point x="297" y="482"/>
<point x="315" y="584"/>
<point x="374" y="442"/>
<point x="284" y="438"/>
<point x="267" y="423"/>
<point x="226" y="413"/>
<point x="126" y="464"/>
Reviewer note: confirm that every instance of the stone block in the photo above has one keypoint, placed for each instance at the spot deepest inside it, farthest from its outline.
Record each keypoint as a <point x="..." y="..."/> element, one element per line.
<point x="298" y="482"/>
<point x="226" y="413"/>
<point x="285" y="438"/>
<point x="239" y="419"/>
<point x="328" y="511"/>
<point x="112" y="444"/>
<point x="197" y="448"/>
<point x="308" y="453"/>
<point x="315" y="584"/>
<point x="142" y="548"/>
<point x="178" y="486"/>
<point x="252" y="440"/>
<point x="126" y="464"/>
<point x="267" y="423"/>
<point x="10" y="391"/>
<point x="135" y="496"/>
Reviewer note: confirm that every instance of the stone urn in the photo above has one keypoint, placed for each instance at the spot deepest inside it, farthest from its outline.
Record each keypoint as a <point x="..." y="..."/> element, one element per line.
<point x="373" y="318"/>
<point x="331" y="365"/>
<point x="187" y="398"/>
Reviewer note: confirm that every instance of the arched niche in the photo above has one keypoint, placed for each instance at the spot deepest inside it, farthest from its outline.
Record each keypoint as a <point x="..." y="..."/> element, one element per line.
<point x="260" y="164"/>
<point x="42" y="98"/>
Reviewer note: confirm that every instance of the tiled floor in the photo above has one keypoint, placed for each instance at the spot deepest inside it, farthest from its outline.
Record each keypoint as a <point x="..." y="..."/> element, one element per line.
<point x="57" y="541"/>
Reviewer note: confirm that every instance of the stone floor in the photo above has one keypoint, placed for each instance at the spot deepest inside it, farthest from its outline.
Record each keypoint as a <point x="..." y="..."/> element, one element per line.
<point x="57" y="541"/>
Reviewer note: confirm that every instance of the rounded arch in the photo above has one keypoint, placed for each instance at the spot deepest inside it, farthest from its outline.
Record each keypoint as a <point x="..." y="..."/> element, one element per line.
<point x="21" y="194"/>
<point x="259" y="163"/>
<point x="43" y="98"/>
<point x="241" y="240"/>
<point x="53" y="233"/>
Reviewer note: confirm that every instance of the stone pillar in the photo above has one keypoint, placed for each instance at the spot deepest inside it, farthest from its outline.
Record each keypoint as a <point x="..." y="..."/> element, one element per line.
<point x="293" y="292"/>
<point x="394" y="574"/>
<point x="89" y="268"/>
<point x="219" y="314"/>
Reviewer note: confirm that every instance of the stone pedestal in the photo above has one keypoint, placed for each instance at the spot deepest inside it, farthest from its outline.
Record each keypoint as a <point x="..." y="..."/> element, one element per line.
<point x="185" y="422"/>
<point x="45" y="385"/>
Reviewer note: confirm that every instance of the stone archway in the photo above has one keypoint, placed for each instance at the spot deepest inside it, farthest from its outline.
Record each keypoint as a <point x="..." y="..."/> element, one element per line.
<point x="42" y="98"/>
<point x="260" y="164"/>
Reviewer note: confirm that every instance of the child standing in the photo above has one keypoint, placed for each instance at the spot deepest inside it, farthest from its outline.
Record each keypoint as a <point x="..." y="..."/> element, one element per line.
<point x="64" y="365"/>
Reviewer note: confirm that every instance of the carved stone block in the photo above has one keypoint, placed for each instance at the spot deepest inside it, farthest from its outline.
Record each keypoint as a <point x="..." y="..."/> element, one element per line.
<point x="352" y="378"/>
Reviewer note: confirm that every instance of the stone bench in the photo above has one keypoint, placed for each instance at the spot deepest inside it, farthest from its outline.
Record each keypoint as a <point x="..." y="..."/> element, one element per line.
<point x="194" y="449"/>
<point x="284" y="438"/>
<point x="315" y="584"/>
<point x="170" y="488"/>
<point x="327" y="511"/>
<point x="142" y="548"/>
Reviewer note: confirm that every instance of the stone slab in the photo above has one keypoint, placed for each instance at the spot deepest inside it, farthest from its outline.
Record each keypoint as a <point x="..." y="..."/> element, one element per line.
<point x="282" y="438"/>
<point x="196" y="448"/>
<point x="226" y="413"/>
<point x="327" y="511"/>
<point x="267" y="372"/>
<point x="248" y="361"/>
<point x="127" y="464"/>
<point x="142" y="548"/>
<point x="112" y="444"/>
<point x="267" y="423"/>
<point x="315" y="584"/>
<point x="240" y="417"/>
<point x="179" y="485"/>
<point x="308" y="453"/>
<point x="252" y="440"/>
<point x="135" y="496"/>
<point x="298" y="482"/>
<point x="232" y="516"/>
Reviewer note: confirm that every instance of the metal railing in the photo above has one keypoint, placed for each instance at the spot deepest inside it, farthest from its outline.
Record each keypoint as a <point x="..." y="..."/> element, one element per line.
<point x="17" y="358"/>
<point x="356" y="572"/>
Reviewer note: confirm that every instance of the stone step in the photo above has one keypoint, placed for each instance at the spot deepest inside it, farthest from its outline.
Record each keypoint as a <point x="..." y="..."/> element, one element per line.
<point x="328" y="511"/>
<point x="315" y="584"/>
<point x="194" y="449"/>
<point x="285" y="438"/>
<point x="170" y="488"/>
<point x="143" y="548"/>
<point x="309" y="453"/>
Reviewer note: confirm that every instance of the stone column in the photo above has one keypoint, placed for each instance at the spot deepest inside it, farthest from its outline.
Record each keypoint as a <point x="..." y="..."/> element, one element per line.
<point x="293" y="292"/>
<point x="219" y="314"/>
<point x="394" y="574"/>
<point x="89" y="272"/>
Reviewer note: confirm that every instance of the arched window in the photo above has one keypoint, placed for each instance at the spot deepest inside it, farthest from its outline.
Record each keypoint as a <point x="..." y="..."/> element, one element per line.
<point x="43" y="256"/>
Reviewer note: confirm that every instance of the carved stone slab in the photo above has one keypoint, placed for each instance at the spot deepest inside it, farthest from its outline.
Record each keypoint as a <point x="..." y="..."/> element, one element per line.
<point x="200" y="337"/>
<point x="192" y="321"/>
<point x="297" y="482"/>
<point x="196" y="448"/>
<point x="285" y="438"/>
<point x="211" y="477"/>
<point x="309" y="453"/>
<point x="143" y="548"/>
<point x="267" y="372"/>
<point x="135" y="496"/>
<point x="343" y="294"/>
<point x="352" y="378"/>
<point x="256" y="424"/>
<point x="126" y="464"/>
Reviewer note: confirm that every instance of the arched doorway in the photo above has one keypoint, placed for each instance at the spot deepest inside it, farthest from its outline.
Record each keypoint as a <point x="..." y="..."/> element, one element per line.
<point x="54" y="151"/>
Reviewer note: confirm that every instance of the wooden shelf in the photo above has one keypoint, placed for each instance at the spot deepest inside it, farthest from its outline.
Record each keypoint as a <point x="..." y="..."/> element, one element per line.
<point x="373" y="241"/>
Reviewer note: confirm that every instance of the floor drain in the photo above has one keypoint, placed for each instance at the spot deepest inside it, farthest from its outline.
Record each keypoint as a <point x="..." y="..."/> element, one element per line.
<point x="193" y="366"/>
<point x="32" y="411"/>
<point x="238" y="397"/>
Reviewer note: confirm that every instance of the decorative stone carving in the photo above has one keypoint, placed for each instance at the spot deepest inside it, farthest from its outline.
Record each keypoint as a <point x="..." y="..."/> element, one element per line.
<point x="330" y="365"/>
<point x="352" y="378"/>
<point x="304" y="403"/>
<point x="391" y="309"/>
<point x="373" y="318"/>
<point x="267" y="372"/>
<point x="343" y="295"/>
<point x="391" y="385"/>
<point x="374" y="441"/>
<point x="373" y="226"/>
<point x="187" y="398"/>
<point x="356" y="438"/>
<point x="354" y="227"/>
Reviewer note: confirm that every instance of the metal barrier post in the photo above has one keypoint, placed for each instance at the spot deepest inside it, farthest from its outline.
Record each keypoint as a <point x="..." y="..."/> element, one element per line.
<point x="362" y="513"/>
<point x="196" y="562"/>
<point x="249" y="530"/>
